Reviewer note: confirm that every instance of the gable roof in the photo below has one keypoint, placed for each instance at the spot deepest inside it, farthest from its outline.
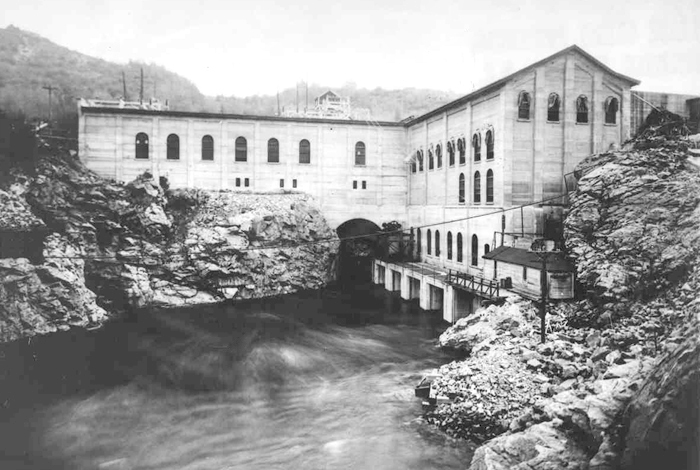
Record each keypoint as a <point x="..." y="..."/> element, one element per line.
<point x="556" y="262"/>
<point x="499" y="83"/>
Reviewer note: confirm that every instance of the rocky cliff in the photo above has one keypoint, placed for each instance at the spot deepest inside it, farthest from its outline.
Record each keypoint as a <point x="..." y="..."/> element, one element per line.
<point x="616" y="383"/>
<point x="115" y="246"/>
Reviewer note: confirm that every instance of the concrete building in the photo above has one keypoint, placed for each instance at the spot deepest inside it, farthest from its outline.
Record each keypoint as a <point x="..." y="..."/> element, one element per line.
<point x="491" y="164"/>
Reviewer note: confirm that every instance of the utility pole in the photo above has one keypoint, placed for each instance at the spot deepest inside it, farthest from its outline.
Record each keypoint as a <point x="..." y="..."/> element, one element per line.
<point x="50" y="89"/>
<point x="141" y="90"/>
<point x="124" y="84"/>
<point x="539" y="248"/>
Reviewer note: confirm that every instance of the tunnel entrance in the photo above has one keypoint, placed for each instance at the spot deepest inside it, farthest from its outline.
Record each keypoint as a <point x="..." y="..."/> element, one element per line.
<point x="356" y="251"/>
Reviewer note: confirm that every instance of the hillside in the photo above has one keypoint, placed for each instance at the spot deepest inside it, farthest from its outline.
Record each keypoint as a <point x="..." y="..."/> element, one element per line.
<point x="28" y="62"/>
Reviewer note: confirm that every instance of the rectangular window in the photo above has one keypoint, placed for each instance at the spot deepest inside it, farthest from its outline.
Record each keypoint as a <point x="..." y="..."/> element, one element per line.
<point x="238" y="182"/>
<point x="294" y="183"/>
<point x="364" y="185"/>
<point x="354" y="184"/>
<point x="281" y="183"/>
<point x="246" y="182"/>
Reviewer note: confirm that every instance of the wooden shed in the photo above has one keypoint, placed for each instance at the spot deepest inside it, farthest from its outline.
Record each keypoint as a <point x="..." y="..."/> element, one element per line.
<point x="519" y="270"/>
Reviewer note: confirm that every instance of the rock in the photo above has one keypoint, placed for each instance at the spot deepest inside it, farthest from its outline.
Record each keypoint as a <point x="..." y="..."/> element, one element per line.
<point x="614" y="357"/>
<point x="593" y="339"/>
<point x="623" y="370"/>
<point x="534" y="364"/>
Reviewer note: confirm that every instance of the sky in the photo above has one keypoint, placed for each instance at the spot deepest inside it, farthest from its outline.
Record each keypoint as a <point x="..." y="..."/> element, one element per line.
<point x="242" y="48"/>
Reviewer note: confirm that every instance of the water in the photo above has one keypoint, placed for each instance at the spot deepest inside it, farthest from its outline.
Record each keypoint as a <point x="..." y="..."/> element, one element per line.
<point x="312" y="381"/>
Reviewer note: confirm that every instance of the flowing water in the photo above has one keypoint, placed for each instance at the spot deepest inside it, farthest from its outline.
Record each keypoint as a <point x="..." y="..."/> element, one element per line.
<point x="311" y="381"/>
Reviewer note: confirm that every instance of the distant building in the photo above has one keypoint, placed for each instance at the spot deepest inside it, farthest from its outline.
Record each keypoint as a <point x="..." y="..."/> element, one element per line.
<point x="643" y="102"/>
<point x="330" y="105"/>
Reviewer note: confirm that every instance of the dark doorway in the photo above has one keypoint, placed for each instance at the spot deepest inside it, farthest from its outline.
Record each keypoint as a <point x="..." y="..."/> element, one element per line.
<point x="357" y="249"/>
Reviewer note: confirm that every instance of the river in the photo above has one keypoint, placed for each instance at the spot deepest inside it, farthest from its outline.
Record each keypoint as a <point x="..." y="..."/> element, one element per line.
<point x="317" y="380"/>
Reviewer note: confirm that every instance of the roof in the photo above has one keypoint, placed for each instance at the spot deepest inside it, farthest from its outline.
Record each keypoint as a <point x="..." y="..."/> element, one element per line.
<point x="556" y="262"/>
<point x="499" y="83"/>
<point x="250" y="117"/>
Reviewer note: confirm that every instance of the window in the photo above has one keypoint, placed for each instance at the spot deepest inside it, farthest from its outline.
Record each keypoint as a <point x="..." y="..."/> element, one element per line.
<point x="238" y="182"/>
<point x="487" y="248"/>
<point x="582" y="109"/>
<point x="524" y="273"/>
<point x="611" y="107"/>
<point x="354" y="184"/>
<point x="281" y="183"/>
<point x="462" y="148"/>
<point x="449" y="245"/>
<point x="524" y="105"/>
<point x="207" y="147"/>
<point x="419" y="242"/>
<point x="172" y="145"/>
<point x="475" y="250"/>
<point x="414" y="164"/>
<point x="553" y="104"/>
<point x="246" y="182"/>
<point x="477" y="188"/>
<point x="460" y="251"/>
<point x="304" y="151"/>
<point x="489" y="187"/>
<point x="430" y="241"/>
<point x="476" y="143"/>
<point x="142" y="145"/>
<point x="461" y="188"/>
<point x="451" y="153"/>
<point x="431" y="159"/>
<point x="360" y="153"/>
<point x="294" y="183"/>
<point x="364" y="185"/>
<point x="438" y="155"/>
<point x="273" y="151"/>
<point x="241" y="149"/>
<point x="437" y="243"/>
<point x="419" y="157"/>
<point x="489" y="144"/>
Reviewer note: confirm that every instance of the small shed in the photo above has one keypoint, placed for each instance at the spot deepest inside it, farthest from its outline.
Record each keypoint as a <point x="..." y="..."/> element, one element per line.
<point x="519" y="270"/>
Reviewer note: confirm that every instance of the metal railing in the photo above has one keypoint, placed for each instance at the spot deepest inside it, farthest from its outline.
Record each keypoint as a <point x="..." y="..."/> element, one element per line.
<point x="478" y="285"/>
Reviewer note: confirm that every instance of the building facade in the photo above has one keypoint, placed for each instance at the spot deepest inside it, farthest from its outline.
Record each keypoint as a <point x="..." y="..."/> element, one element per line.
<point x="491" y="163"/>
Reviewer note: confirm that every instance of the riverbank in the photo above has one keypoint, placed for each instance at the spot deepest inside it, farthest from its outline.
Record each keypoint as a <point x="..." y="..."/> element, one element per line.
<point x="615" y="382"/>
<point x="111" y="247"/>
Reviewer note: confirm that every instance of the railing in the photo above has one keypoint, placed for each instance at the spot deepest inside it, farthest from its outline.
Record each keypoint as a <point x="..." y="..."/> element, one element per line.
<point x="483" y="287"/>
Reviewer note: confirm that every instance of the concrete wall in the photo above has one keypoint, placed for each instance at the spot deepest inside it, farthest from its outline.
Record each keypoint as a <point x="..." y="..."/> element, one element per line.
<point x="531" y="156"/>
<point x="107" y="146"/>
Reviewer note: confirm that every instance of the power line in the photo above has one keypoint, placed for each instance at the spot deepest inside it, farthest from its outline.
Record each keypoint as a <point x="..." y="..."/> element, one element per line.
<point x="330" y="240"/>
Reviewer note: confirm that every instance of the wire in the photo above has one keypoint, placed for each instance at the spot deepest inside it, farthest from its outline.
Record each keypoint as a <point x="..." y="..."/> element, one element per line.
<point x="335" y="239"/>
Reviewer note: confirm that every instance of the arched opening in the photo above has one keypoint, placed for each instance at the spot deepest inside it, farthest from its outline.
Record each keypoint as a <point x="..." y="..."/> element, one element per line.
<point x="356" y="250"/>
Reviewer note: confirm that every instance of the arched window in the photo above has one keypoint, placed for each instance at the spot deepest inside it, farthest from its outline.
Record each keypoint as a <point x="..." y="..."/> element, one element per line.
<point x="476" y="143"/>
<point x="142" y="145"/>
<point x="437" y="243"/>
<point x="431" y="159"/>
<point x="553" y="104"/>
<point x="451" y="152"/>
<point x="582" y="109"/>
<point x="419" y="243"/>
<point x="438" y="155"/>
<point x="273" y="151"/>
<point x="477" y="188"/>
<point x="524" y="105"/>
<point x="489" y="144"/>
<point x="489" y="186"/>
<point x="611" y="107"/>
<point x="487" y="248"/>
<point x="461" y="188"/>
<point x="360" y="153"/>
<point x="419" y="157"/>
<point x="462" y="147"/>
<point x="460" y="251"/>
<point x="430" y="242"/>
<point x="304" y="151"/>
<point x="475" y="250"/>
<point x="172" y="145"/>
<point x="241" y="149"/>
<point x="449" y="245"/>
<point x="207" y="147"/>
